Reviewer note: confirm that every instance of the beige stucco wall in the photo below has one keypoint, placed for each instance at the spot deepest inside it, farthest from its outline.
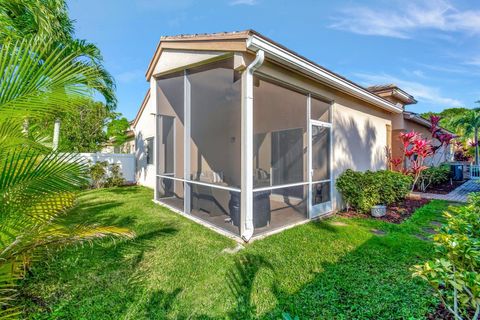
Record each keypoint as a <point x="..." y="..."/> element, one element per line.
<point x="178" y="59"/>
<point x="145" y="128"/>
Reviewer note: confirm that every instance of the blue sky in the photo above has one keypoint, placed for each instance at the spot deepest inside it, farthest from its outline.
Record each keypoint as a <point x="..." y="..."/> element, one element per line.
<point x="429" y="48"/>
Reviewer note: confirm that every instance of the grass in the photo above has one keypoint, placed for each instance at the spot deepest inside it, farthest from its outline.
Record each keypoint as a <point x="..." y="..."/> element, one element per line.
<point x="175" y="269"/>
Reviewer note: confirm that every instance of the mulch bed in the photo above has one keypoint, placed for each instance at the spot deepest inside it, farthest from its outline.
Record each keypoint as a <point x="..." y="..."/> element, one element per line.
<point x="440" y="313"/>
<point x="444" y="188"/>
<point x="396" y="213"/>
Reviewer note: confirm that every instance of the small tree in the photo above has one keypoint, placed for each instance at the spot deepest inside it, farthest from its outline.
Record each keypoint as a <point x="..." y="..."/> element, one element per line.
<point x="415" y="150"/>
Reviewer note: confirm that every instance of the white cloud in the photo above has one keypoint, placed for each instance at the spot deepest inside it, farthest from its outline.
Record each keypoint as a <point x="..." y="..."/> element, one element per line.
<point x="243" y="2"/>
<point x="403" y="21"/>
<point x="129" y="76"/>
<point x="421" y="92"/>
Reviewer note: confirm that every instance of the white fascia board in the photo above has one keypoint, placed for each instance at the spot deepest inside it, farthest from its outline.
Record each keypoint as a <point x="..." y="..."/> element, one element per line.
<point x="401" y="95"/>
<point x="277" y="53"/>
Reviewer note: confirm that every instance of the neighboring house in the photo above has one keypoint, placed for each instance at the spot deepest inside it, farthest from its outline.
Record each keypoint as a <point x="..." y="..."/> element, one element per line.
<point x="127" y="147"/>
<point x="408" y="121"/>
<point x="248" y="137"/>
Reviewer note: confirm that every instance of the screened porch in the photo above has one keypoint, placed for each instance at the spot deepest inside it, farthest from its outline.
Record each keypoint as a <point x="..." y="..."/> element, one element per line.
<point x="200" y="149"/>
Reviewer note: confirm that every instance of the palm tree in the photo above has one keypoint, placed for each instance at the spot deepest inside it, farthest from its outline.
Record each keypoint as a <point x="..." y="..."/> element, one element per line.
<point x="468" y="124"/>
<point x="43" y="71"/>
<point x="48" y="21"/>
<point x="38" y="186"/>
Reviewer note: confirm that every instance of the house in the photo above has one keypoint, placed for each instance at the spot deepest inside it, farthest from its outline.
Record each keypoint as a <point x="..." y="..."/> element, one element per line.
<point x="408" y="121"/>
<point x="246" y="136"/>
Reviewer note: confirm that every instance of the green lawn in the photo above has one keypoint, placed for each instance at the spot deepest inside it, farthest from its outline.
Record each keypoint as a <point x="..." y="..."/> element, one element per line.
<point x="175" y="269"/>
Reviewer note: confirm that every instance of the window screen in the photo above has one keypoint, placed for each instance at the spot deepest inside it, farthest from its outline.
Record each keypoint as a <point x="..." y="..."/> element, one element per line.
<point x="280" y="135"/>
<point x="170" y="126"/>
<point x="215" y="123"/>
<point x="320" y="110"/>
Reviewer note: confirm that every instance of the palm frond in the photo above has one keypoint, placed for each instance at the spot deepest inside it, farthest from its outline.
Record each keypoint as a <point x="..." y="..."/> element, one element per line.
<point x="33" y="18"/>
<point x="27" y="172"/>
<point x="13" y="134"/>
<point x="33" y="84"/>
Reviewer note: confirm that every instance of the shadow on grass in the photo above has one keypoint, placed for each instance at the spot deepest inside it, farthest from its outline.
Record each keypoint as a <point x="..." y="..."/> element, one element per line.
<point x="160" y="303"/>
<point x="124" y="190"/>
<point x="371" y="282"/>
<point x="324" y="225"/>
<point x="240" y="281"/>
<point x="115" y="264"/>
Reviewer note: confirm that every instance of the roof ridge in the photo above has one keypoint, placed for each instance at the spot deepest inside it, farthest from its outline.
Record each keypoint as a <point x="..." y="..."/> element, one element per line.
<point x="206" y="34"/>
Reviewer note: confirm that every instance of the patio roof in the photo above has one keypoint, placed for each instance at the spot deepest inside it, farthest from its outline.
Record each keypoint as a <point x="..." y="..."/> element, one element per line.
<point x="252" y="41"/>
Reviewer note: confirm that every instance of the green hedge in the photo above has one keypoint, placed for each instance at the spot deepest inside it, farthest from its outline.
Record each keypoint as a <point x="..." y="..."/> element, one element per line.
<point x="433" y="176"/>
<point x="362" y="190"/>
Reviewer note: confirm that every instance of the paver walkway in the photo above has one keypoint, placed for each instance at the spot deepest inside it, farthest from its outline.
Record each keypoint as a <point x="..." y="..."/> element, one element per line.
<point x="458" y="195"/>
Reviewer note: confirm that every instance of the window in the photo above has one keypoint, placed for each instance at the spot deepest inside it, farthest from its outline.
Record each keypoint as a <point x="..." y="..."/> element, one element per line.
<point x="149" y="150"/>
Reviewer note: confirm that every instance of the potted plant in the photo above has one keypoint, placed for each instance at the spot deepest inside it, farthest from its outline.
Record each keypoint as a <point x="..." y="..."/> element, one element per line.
<point x="378" y="211"/>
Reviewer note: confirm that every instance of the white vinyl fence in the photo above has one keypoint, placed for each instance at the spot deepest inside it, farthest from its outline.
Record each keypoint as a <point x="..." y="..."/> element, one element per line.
<point x="126" y="161"/>
<point x="474" y="172"/>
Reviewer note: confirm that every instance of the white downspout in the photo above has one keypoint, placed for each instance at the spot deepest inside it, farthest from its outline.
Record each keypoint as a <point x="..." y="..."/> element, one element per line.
<point x="247" y="146"/>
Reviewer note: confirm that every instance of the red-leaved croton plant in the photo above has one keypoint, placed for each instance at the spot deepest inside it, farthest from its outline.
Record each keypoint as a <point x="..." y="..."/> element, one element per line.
<point x="417" y="149"/>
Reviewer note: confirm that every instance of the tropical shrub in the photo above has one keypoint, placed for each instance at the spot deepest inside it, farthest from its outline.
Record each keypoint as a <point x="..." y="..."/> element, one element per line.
<point x="394" y="186"/>
<point x="433" y="176"/>
<point x="462" y="151"/>
<point x="417" y="149"/>
<point x="104" y="175"/>
<point x="468" y="124"/>
<point x="115" y="178"/>
<point x="362" y="190"/>
<point x="98" y="171"/>
<point x="359" y="190"/>
<point x="455" y="274"/>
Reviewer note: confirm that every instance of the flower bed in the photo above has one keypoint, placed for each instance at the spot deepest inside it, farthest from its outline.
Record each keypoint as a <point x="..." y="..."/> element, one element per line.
<point x="396" y="213"/>
<point x="443" y="188"/>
